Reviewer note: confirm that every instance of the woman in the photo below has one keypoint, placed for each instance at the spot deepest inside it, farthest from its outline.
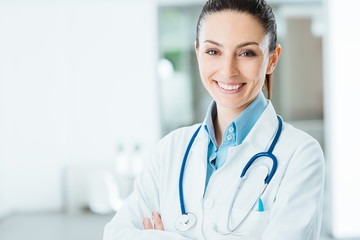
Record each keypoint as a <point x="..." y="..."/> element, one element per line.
<point x="237" y="53"/>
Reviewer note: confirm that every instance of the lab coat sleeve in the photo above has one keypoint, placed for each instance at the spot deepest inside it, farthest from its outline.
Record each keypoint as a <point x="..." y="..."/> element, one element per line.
<point x="297" y="211"/>
<point x="128" y="221"/>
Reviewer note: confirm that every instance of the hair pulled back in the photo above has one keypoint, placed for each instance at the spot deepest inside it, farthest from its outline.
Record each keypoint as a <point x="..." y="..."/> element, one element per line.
<point x="259" y="9"/>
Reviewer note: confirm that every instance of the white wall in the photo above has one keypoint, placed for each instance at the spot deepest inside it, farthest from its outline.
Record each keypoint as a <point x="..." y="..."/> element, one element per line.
<point x="76" y="79"/>
<point x="342" y="115"/>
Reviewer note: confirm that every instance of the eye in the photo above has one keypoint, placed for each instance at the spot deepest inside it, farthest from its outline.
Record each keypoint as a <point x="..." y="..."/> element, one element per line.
<point x="248" y="54"/>
<point x="212" y="52"/>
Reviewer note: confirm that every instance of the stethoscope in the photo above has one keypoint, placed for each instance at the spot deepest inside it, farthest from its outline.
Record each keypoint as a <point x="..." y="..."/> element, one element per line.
<point x="187" y="220"/>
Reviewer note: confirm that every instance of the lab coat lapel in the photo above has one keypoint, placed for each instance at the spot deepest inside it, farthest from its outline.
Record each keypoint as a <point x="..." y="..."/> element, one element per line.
<point x="200" y="147"/>
<point x="264" y="130"/>
<point x="258" y="140"/>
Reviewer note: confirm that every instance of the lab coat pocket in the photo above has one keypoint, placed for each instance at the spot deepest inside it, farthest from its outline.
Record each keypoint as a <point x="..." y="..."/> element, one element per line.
<point x="247" y="196"/>
<point x="253" y="226"/>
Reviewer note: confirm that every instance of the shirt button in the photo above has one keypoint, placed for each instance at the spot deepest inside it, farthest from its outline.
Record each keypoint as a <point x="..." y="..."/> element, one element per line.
<point x="231" y="129"/>
<point x="229" y="137"/>
<point x="208" y="203"/>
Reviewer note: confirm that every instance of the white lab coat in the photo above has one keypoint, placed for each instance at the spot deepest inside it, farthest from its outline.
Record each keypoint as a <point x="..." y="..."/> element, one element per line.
<point x="292" y="200"/>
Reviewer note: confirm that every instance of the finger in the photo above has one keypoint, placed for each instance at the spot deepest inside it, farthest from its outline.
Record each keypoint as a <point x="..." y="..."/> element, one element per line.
<point x="147" y="224"/>
<point x="158" y="224"/>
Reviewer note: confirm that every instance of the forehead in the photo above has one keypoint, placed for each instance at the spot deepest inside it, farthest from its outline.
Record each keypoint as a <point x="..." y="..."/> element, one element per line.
<point x="229" y="26"/>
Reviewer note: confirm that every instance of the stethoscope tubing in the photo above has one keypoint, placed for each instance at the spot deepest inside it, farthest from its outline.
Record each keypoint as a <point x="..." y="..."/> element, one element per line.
<point x="181" y="194"/>
<point x="266" y="154"/>
<point x="247" y="166"/>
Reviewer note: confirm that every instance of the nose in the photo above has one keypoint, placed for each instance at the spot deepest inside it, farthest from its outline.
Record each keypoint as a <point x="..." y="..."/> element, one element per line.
<point x="230" y="68"/>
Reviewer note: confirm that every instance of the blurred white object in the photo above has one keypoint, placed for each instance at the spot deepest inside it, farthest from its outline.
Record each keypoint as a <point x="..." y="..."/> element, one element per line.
<point x="165" y="69"/>
<point x="48" y="82"/>
<point x="177" y="109"/>
<point x="129" y="162"/>
<point x="122" y="162"/>
<point x="98" y="188"/>
<point x="75" y="189"/>
<point x="137" y="160"/>
<point x="103" y="195"/>
<point x="342" y="128"/>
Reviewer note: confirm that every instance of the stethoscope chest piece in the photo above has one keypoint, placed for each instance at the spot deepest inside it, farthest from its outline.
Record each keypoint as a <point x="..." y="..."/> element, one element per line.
<point x="185" y="222"/>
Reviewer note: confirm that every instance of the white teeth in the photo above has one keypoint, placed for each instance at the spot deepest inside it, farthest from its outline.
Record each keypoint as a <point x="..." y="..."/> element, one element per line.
<point x="230" y="87"/>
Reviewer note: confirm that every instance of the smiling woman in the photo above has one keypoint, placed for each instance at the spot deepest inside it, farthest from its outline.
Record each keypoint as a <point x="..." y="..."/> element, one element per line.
<point x="232" y="63"/>
<point x="243" y="173"/>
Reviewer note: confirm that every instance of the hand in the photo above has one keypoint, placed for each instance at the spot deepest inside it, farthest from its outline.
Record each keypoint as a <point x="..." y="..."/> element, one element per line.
<point x="158" y="225"/>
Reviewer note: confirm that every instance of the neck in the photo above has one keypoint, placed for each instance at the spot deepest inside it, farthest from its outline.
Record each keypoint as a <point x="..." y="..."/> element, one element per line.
<point x="224" y="117"/>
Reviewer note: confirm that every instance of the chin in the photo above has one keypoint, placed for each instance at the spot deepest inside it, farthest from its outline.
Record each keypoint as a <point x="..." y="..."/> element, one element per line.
<point x="235" y="105"/>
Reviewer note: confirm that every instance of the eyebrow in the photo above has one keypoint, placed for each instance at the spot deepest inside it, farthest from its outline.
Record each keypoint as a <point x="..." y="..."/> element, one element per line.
<point x="237" y="46"/>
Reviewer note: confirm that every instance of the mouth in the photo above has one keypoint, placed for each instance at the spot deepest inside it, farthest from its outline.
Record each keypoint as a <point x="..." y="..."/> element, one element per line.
<point x="230" y="88"/>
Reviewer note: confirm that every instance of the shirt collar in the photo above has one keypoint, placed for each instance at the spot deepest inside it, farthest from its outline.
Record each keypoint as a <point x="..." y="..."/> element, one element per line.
<point x="242" y="123"/>
<point x="209" y="123"/>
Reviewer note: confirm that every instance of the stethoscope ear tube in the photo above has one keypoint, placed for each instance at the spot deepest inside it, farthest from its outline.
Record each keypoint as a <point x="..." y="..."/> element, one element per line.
<point x="255" y="157"/>
<point x="268" y="154"/>
<point x="276" y="138"/>
<point x="181" y="194"/>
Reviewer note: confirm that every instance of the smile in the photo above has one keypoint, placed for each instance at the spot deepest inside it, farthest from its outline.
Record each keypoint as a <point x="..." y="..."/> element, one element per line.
<point x="230" y="87"/>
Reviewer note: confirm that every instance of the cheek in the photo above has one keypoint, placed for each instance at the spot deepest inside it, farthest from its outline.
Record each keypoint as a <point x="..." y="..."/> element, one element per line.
<point x="202" y="70"/>
<point x="203" y="73"/>
<point x="205" y="68"/>
<point x="254" y="71"/>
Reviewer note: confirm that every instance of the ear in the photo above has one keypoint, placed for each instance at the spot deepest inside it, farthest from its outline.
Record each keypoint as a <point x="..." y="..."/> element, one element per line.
<point x="274" y="58"/>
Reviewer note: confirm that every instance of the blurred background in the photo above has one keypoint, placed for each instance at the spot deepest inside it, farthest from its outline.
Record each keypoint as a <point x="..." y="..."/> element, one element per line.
<point x="87" y="88"/>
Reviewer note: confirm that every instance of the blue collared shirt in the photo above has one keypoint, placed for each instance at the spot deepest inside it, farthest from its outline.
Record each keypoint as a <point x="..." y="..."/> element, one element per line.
<point x="234" y="134"/>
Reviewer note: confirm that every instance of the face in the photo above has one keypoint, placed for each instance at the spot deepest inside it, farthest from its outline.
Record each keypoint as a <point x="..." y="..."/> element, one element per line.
<point x="233" y="57"/>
